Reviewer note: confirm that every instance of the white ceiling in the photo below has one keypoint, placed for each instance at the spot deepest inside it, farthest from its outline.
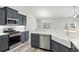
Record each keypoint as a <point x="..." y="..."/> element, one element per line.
<point x="53" y="11"/>
<point x="42" y="12"/>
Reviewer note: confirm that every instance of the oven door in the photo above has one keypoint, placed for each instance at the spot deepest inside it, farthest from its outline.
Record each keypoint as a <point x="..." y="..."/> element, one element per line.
<point x="14" y="40"/>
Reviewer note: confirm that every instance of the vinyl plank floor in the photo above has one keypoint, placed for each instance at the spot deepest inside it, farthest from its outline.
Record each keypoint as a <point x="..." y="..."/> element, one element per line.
<point x="26" y="47"/>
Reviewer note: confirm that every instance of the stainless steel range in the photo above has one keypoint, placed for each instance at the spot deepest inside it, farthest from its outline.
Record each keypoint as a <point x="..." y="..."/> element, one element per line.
<point x="14" y="37"/>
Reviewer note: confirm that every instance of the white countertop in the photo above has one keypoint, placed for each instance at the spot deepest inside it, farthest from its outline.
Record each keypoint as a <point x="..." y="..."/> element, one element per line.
<point x="3" y="34"/>
<point x="62" y="37"/>
<point x="22" y="30"/>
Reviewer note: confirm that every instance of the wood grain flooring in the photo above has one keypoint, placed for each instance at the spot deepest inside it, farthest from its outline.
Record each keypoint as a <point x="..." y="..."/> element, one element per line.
<point x="26" y="47"/>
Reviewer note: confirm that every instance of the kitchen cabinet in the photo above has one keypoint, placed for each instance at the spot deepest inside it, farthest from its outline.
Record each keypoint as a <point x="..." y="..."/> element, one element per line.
<point x="6" y="14"/>
<point x="54" y="46"/>
<point x="10" y="13"/>
<point x="64" y="48"/>
<point x="2" y="16"/>
<point x="73" y="48"/>
<point x="4" y="42"/>
<point x="24" y="36"/>
<point x="57" y="47"/>
<point x="27" y="35"/>
<point x="35" y="40"/>
<point x="22" y="19"/>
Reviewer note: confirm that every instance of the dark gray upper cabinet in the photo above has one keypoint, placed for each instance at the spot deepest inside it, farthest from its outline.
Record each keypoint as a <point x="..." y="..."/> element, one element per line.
<point x="2" y="16"/>
<point x="24" y="36"/>
<point x="10" y="13"/>
<point x="35" y="40"/>
<point x="4" y="42"/>
<point x="5" y="13"/>
<point x="22" y="19"/>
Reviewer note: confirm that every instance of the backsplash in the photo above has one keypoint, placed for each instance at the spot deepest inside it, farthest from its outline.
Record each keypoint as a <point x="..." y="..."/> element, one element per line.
<point x="17" y="28"/>
<point x="1" y="29"/>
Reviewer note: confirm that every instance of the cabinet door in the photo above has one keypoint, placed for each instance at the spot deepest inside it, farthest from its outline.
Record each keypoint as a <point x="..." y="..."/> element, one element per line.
<point x="10" y="13"/>
<point x="64" y="49"/>
<point x="2" y="16"/>
<point x="27" y="35"/>
<point x="57" y="47"/>
<point x="20" y="19"/>
<point x="24" y="20"/>
<point x="14" y="14"/>
<point x="24" y="36"/>
<point x="35" y="40"/>
<point x="34" y="37"/>
<point x="54" y="46"/>
<point x="4" y="41"/>
<point x="35" y="44"/>
<point x="73" y="48"/>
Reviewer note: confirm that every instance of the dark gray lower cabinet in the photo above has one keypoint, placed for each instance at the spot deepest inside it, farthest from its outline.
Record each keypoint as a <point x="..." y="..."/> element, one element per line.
<point x="73" y="48"/>
<point x="64" y="49"/>
<point x="35" y="44"/>
<point x="24" y="36"/>
<point x="35" y="40"/>
<point x="54" y="46"/>
<point x="4" y="42"/>
<point x="57" y="47"/>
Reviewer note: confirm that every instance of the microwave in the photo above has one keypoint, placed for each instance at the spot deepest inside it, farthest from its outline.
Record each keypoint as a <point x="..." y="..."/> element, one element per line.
<point x="12" y="21"/>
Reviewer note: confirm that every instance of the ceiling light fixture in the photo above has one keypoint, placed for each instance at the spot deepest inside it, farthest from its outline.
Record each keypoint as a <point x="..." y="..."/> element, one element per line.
<point x="74" y="15"/>
<point x="43" y="20"/>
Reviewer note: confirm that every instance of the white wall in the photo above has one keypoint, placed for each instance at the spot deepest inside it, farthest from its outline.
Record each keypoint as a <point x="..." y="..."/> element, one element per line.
<point x="58" y="23"/>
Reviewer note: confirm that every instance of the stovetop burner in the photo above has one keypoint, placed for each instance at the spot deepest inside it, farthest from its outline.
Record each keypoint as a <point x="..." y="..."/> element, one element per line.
<point x="12" y="33"/>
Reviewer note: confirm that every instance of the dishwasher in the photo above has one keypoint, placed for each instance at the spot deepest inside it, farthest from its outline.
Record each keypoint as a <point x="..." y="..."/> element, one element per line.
<point x="45" y="41"/>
